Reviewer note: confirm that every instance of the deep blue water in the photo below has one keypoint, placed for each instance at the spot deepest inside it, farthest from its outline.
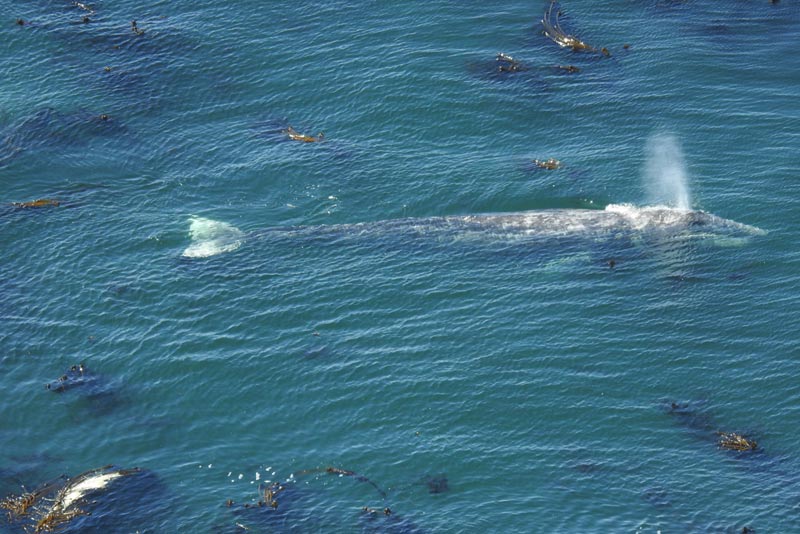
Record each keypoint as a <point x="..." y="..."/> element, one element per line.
<point x="475" y="375"/>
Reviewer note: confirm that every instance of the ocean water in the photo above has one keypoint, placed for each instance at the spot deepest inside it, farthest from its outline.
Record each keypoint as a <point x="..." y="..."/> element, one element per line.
<point x="478" y="344"/>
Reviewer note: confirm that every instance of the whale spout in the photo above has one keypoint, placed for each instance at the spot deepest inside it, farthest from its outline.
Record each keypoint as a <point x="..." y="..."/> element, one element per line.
<point x="665" y="173"/>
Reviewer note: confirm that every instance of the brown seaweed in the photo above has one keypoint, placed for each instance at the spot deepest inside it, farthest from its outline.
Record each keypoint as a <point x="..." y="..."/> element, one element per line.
<point x="56" y="518"/>
<point x="553" y="30"/>
<point x="294" y="135"/>
<point x="270" y="494"/>
<point x="550" y="164"/>
<point x="267" y="514"/>
<point x="40" y="203"/>
<point x="17" y="506"/>
<point x="736" y="442"/>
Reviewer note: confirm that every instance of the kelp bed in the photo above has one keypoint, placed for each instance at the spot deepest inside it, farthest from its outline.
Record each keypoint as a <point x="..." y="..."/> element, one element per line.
<point x="701" y="423"/>
<point x="293" y="501"/>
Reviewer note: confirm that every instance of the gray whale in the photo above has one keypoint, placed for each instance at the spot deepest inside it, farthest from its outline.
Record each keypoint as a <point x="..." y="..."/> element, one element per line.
<point x="210" y="237"/>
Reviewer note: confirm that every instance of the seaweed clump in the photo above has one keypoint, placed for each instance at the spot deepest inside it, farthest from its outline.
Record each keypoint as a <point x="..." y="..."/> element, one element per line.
<point x="550" y="164"/>
<point x="40" y="203"/>
<point x="553" y="30"/>
<point x="294" y="135"/>
<point x="736" y="442"/>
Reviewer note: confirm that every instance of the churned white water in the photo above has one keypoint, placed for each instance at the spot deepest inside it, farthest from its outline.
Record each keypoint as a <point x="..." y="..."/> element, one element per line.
<point x="210" y="237"/>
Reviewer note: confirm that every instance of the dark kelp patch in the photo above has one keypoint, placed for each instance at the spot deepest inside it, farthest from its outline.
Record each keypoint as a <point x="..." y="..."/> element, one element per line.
<point x="49" y="129"/>
<point x="508" y="64"/>
<point x="657" y="497"/>
<point x="98" y="394"/>
<point x="279" y="505"/>
<point x="700" y="422"/>
<point x="690" y="415"/>
<point x="504" y="68"/>
<point x="287" y="504"/>
<point x="435" y="484"/>
<point x="75" y="377"/>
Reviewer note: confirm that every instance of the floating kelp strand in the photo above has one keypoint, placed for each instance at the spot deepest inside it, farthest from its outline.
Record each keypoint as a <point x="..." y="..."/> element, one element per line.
<point x="553" y="30"/>
<point x="360" y="478"/>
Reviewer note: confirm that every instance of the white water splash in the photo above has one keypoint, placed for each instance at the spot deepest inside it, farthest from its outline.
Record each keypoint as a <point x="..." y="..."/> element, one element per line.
<point x="95" y="482"/>
<point x="210" y="237"/>
<point x="665" y="172"/>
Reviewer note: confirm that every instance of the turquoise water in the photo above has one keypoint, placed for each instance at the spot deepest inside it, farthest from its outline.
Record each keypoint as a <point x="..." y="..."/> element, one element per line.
<point x="365" y="322"/>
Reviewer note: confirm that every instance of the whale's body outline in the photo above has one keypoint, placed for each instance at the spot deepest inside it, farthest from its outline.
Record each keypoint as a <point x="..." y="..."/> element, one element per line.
<point x="210" y="237"/>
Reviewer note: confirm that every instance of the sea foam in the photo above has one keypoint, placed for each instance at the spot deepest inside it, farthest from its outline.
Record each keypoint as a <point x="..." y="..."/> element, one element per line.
<point x="210" y="237"/>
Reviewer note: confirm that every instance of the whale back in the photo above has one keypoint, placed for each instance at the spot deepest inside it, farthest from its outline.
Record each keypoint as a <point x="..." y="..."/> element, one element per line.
<point x="210" y="237"/>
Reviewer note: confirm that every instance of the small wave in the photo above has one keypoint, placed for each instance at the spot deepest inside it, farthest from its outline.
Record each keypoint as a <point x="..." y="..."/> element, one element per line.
<point x="210" y="237"/>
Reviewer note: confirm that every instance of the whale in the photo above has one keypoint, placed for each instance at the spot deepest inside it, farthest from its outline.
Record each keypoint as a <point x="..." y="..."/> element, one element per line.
<point x="210" y="237"/>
